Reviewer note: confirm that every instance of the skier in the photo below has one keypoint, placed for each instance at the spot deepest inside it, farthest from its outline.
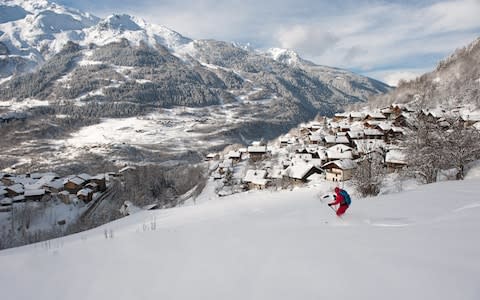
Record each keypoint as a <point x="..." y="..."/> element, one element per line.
<point x="342" y="198"/>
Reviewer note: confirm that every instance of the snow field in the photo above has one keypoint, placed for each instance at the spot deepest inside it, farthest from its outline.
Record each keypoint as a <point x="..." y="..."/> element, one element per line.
<point x="418" y="244"/>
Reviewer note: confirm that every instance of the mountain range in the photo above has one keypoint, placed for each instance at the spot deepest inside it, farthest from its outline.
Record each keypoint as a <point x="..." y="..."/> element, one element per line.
<point x="51" y="52"/>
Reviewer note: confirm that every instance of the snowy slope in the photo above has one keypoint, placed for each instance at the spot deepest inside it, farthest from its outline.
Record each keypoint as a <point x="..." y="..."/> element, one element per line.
<point x="419" y="244"/>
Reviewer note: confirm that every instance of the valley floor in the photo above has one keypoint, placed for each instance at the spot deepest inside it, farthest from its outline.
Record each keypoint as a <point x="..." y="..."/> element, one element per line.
<point x="419" y="244"/>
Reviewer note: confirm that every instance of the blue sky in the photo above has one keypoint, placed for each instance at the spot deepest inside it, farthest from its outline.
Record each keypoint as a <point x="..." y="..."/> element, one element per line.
<point x="387" y="40"/>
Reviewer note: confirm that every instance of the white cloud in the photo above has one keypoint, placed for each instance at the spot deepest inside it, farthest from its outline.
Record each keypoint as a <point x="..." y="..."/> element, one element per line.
<point x="393" y="77"/>
<point x="309" y="40"/>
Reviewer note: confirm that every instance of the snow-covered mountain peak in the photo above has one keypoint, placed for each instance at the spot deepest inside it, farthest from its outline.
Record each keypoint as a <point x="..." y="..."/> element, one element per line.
<point x="119" y="22"/>
<point x="285" y="56"/>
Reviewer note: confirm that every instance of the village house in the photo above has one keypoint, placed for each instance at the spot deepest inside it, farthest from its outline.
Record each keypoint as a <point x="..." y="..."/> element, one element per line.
<point x="470" y="119"/>
<point x="356" y="116"/>
<point x="300" y="172"/>
<point x="395" y="160"/>
<point x="34" y="195"/>
<point x="256" y="179"/>
<point x="19" y="199"/>
<point x="400" y="121"/>
<point x="55" y="186"/>
<point x="7" y="179"/>
<point x="373" y="134"/>
<point x="73" y="184"/>
<point x="86" y="177"/>
<point x="6" y="204"/>
<point x="14" y="190"/>
<point x="354" y="135"/>
<point x="339" y="152"/>
<point x="341" y="116"/>
<point x="212" y="156"/>
<point x="93" y="186"/>
<point x="387" y="112"/>
<point x="315" y="138"/>
<point x="3" y="192"/>
<point x="339" y="170"/>
<point x="395" y="134"/>
<point x="257" y="153"/>
<point x="375" y="116"/>
<point x="86" y="195"/>
<point x="331" y="140"/>
<point x="234" y="156"/>
<point x="101" y="182"/>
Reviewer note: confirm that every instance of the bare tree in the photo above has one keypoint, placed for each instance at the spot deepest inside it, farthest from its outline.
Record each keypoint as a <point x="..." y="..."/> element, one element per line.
<point x="368" y="176"/>
<point x="461" y="146"/>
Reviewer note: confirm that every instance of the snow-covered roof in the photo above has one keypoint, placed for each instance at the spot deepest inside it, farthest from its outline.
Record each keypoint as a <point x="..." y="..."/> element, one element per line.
<point x="256" y="177"/>
<point x="38" y="192"/>
<point x="302" y="156"/>
<point x="43" y="180"/>
<point x="374" y="132"/>
<point x="2" y="191"/>
<point x="234" y="154"/>
<point x="398" y="129"/>
<point x="357" y="115"/>
<point x="127" y="168"/>
<point x="366" y="146"/>
<point x="275" y="173"/>
<point x="333" y="139"/>
<point x="342" y="139"/>
<point x="386" y="110"/>
<point x="339" y="152"/>
<point x="342" y="115"/>
<point x="22" y="179"/>
<point x="376" y="115"/>
<point x="84" y="176"/>
<point x="395" y="156"/>
<point x="356" y="134"/>
<point x="6" y="202"/>
<point x="343" y="164"/>
<point x="316" y="137"/>
<point x="56" y="184"/>
<point x="17" y="188"/>
<point x="471" y="117"/>
<point x="19" y="198"/>
<point x="257" y="149"/>
<point x="384" y="126"/>
<point x="298" y="171"/>
<point x="84" y="192"/>
<point x="100" y="176"/>
<point x="76" y="180"/>
<point x="212" y="155"/>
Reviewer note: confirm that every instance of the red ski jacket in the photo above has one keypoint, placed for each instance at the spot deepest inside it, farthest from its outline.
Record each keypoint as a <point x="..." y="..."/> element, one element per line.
<point x="338" y="199"/>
